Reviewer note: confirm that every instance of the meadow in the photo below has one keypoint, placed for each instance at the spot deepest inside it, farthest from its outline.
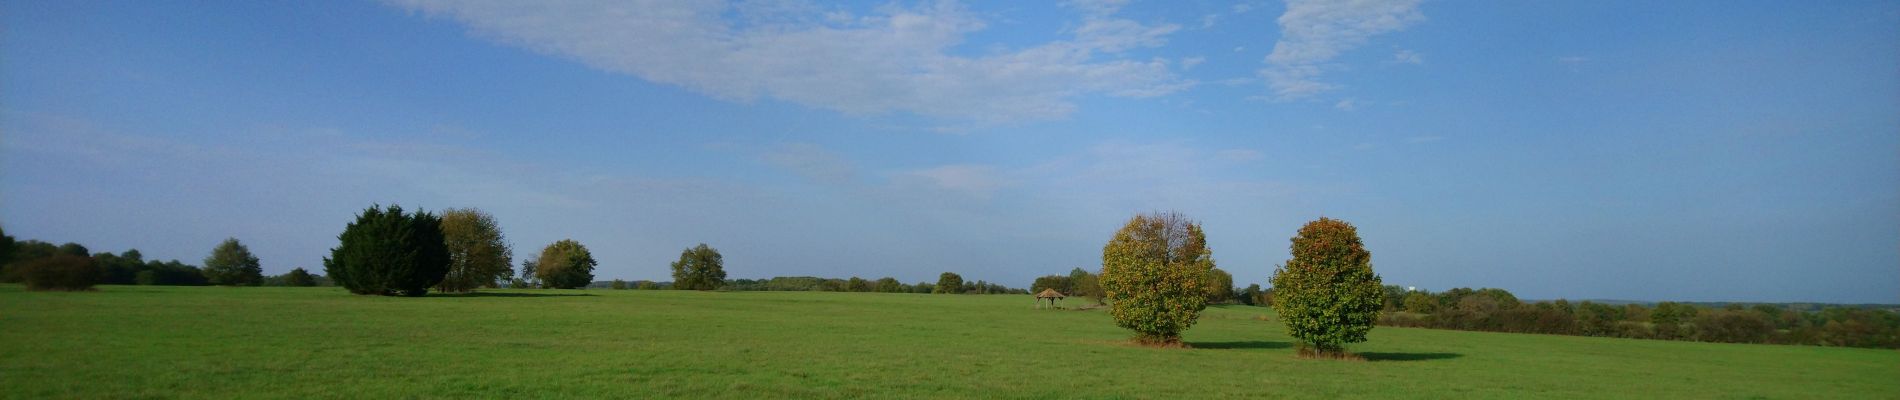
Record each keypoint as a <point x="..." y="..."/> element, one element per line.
<point x="297" y="343"/>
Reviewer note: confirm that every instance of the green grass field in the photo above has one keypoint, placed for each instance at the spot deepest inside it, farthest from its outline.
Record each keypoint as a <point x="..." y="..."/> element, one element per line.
<point x="215" y="342"/>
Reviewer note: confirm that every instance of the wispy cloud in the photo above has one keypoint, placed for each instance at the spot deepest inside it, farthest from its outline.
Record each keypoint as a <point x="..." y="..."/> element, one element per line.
<point x="1346" y="105"/>
<point x="896" y="59"/>
<point x="1314" y="32"/>
<point x="1408" y="57"/>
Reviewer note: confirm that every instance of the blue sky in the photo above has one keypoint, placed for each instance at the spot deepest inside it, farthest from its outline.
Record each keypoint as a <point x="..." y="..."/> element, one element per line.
<point x="1634" y="150"/>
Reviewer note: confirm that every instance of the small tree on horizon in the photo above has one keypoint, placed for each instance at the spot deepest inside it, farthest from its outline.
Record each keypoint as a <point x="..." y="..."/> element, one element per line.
<point x="700" y="268"/>
<point x="1327" y="294"/>
<point x="565" y="264"/>
<point x="1220" y="286"/>
<point x="299" y="277"/>
<point x="232" y="264"/>
<point x="949" y="283"/>
<point x="1154" y="272"/>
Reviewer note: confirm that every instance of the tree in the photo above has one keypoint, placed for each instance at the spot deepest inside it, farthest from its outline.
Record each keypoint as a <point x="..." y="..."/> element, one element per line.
<point x="950" y="283"/>
<point x="529" y="270"/>
<point x="618" y="285"/>
<point x="1220" y="286"/>
<point x="6" y="247"/>
<point x="299" y="277"/>
<point x="231" y="264"/>
<point x="387" y="252"/>
<point x="1327" y="294"/>
<point x="74" y="249"/>
<point x="565" y="264"/>
<point x="1251" y="295"/>
<point x="479" y="256"/>
<point x="856" y="284"/>
<point x="1154" y="272"/>
<point x="700" y="268"/>
<point x="1086" y="284"/>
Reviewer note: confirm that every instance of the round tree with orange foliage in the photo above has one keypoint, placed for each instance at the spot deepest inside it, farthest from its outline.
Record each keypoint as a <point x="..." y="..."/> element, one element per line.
<point x="1327" y="295"/>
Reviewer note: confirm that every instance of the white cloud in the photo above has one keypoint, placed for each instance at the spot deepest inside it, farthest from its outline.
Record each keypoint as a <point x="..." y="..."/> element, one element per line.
<point x="897" y="59"/>
<point x="1190" y="62"/>
<point x="1346" y="105"/>
<point x="1408" y="57"/>
<point x="1314" y="32"/>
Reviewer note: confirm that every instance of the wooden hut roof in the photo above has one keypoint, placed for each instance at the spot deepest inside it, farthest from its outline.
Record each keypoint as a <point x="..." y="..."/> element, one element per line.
<point x="1049" y="293"/>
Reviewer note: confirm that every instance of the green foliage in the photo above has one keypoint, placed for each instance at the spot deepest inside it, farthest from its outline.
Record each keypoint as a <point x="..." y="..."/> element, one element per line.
<point x="1058" y="282"/>
<point x="647" y="285"/>
<point x="6" y="247"/>
<point x="1327" y="294"/>
<point x="231" y="264"/>
<point x="702" y="268"/>
<point x="856" y="284"/>
<point x="479" y="255"/>
<point x="889" y="285"/>
<point x="1220" y="286"/>
<point x="1419" y="302"/>
<point x="1395" y="297"/>
<point x="1251" y="295"/>
<point x="387" y="252"/>
<point x="299" y="277"/>
<point x="565" y="264"/>
<point x="65" y="272"/>
<point x="74" y="249"/>
<point x="1154" y="272"/>
<point x="949" y="283"/>
<point x="618" y="285"/>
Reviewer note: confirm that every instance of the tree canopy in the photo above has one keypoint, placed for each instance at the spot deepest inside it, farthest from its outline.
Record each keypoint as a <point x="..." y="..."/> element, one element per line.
<point x="1154" y="272"/>
<point x="1327" y="294"/>
<point x="949" y="282"/>
<point x="387" y="252"/>
<point x="702" y="268"/>
<point x="479" y="254"/>
<point x="565" y="264"/>
<point x="232" y="264"/>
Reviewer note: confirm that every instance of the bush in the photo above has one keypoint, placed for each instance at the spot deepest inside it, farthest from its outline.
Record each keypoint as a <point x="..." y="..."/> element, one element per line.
<point x="1155" y="272"/>
<point x="702" y="268"/>
<point x="386" y="252"/>
<point x="1220" y="286"/>
<point x="1327" y="294"/>
<point x="61" y="272"/>
<point x="565" y="264"/>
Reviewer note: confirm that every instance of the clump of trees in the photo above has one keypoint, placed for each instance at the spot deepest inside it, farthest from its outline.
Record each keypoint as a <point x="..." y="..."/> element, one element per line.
<point x="565" y="264"/>
<point x="65" y="272"/>
<point x="1220" y="286"/>
<point x="1327" y="294"/>
<point x="388" y="252"/>
<point x="299" y="277"/>
<point x="702" y="268"/>
<point x="232" y="264"/>
<point x="1078" y="283"/>
<point x="479" y="255"/>
<point x="1154" y="273"/>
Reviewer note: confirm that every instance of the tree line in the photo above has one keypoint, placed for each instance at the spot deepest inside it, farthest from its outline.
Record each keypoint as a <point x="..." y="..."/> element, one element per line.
<point x="72" y="266"/>
<point x="1497" y="310"/>
<point x="818" y="284"/>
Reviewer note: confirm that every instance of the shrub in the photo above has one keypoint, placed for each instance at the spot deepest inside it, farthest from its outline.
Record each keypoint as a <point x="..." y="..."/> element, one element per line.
<point x="61" y="272"/>
<point x="231" y="264"/>
<point x="386" y="252"/>
<point x="1327" y="294"/>
<point x="1220" y="286"/>
<point x="565" y="264"/>
<point x="703" y="268"/>
<point x="618" y="285"/>
<point x="1154" y="272"/>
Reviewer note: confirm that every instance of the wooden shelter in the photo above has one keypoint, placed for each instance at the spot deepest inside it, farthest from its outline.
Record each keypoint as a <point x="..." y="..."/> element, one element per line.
<point x="1050" y="294"/>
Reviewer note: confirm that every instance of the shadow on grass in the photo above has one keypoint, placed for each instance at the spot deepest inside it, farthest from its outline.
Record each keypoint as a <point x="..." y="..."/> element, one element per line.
<point x="496" y="294"/>
<point x="1409" y="356"/>
<point x="1251" y="344"/>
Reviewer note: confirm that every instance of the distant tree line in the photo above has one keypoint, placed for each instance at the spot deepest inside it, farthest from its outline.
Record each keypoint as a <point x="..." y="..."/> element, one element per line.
<point x="817" y="284"/>
<point x="1497" y="310"/>
<point x="71" y="266"/>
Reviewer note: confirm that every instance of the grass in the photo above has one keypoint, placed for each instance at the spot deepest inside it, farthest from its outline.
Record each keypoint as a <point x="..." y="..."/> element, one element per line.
<point x="214" y="342"/>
